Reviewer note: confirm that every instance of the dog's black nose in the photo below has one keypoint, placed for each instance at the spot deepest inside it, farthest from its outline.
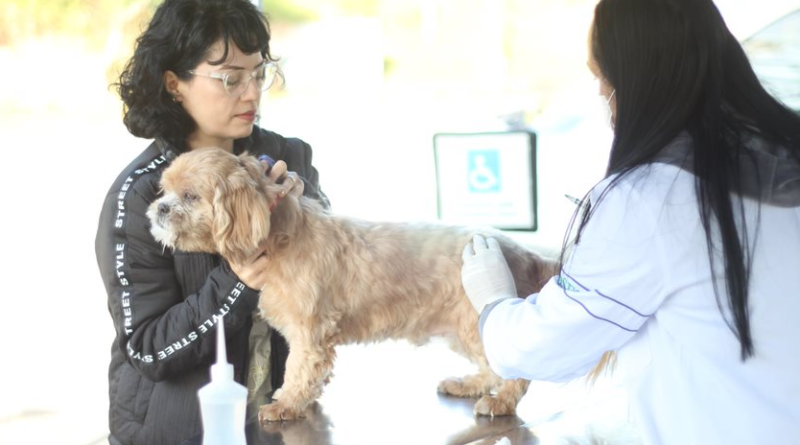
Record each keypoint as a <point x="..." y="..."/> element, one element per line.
<point x="163" y="209"/>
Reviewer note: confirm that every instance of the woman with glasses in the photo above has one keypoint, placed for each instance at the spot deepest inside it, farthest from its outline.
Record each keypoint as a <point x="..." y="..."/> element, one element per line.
<point x="686" y="257"/>
<point x="195" y="80"/>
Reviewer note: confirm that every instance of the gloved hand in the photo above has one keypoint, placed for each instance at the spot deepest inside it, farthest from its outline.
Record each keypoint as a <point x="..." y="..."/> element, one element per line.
<point x="485" y="274"/>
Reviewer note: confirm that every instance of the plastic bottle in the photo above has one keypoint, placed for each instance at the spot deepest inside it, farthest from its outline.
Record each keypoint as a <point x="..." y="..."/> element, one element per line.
<point x="223" y="401"/>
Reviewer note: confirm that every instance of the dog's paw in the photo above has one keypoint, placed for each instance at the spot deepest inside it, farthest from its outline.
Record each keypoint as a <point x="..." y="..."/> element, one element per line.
<point x="276" y="411"/>
<point x="494" y="406"/>
<point x="465" y="387"/>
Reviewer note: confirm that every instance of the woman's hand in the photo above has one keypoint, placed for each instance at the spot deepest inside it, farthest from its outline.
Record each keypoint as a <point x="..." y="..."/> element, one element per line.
<point x="252" y="271"/>
<point x="280" y="174"/>
<point x="485" y="274"/>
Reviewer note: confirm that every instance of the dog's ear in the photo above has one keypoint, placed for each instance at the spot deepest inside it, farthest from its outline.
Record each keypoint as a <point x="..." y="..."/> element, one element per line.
<point x="241" y="214"/>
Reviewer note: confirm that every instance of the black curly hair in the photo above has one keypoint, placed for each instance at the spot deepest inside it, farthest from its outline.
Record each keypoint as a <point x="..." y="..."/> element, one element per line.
<point x="178" y="38"/>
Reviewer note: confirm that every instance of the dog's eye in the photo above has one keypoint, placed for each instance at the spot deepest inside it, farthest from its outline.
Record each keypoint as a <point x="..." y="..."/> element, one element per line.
<point x="189" y="196"/>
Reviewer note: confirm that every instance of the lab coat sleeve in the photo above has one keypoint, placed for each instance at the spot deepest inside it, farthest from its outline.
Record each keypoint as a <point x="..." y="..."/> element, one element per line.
<point x="610" y="286"/>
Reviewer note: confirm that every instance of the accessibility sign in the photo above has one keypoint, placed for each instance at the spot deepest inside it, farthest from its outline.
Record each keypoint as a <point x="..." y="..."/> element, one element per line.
<point x="483" y="171"/>
<point x="487" y="179"/>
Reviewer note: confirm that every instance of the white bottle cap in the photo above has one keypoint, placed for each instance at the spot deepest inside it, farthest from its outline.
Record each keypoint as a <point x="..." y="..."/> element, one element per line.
<point x="221" y="370"/>
<point x="223" y="401"/>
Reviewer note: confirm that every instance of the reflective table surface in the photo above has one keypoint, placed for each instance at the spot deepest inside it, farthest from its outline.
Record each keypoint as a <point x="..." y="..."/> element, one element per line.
<point x="385" y="394"/>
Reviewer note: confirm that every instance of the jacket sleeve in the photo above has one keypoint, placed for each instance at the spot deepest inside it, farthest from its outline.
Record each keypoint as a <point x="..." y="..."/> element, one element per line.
<point x="611" y="285"/>
<point x="163" y="331"/>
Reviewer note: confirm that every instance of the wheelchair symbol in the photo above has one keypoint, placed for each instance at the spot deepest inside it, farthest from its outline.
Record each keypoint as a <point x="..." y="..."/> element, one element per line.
<point x="484" y="171"/>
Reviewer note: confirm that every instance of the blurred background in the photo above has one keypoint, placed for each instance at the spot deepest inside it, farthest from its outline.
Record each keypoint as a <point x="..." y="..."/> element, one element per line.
<point x="367" y="83"/>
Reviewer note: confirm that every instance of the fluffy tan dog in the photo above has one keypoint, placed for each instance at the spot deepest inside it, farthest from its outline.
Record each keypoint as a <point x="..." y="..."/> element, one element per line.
<point x="335" y="280"/>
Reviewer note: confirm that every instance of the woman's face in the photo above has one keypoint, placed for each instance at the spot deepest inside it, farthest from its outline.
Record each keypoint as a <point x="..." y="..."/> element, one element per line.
<point x="220" y="117"/>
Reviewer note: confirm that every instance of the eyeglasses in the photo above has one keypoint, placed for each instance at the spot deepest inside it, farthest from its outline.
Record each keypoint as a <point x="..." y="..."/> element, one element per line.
<point x="237" y="82"/>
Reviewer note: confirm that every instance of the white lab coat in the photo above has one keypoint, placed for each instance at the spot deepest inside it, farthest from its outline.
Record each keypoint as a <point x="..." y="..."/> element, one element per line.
<point x="639" y="282"/>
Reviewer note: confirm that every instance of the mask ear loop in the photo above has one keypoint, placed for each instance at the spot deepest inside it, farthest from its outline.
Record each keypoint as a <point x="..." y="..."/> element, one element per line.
<point x="608" y="104"/>
<point x="611" y="96"/>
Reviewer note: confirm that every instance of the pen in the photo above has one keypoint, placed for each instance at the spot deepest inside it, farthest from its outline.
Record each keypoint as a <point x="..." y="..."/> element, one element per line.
<point x="573" y="199"/>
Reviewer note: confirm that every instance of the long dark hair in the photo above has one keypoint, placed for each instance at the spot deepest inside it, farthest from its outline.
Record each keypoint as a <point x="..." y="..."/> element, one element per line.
<point x="178" y="38"/>
<point x="675" y="67"/>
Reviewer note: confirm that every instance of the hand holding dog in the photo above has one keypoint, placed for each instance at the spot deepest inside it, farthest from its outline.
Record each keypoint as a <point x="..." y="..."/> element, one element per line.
<point x="252" y="271"/>
<point x="280" y="174"/>
<point x="485" y="274"/>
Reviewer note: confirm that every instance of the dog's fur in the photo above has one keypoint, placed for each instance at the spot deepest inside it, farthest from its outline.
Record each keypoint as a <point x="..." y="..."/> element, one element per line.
<point x="335" y="280"/>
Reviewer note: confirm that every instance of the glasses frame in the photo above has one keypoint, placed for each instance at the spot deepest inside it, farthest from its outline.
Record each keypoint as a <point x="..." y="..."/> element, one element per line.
<point x="223" y="77"/>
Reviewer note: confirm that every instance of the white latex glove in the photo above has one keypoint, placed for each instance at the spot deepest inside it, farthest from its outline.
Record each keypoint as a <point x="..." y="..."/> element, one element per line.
<point x="485" y="274"/>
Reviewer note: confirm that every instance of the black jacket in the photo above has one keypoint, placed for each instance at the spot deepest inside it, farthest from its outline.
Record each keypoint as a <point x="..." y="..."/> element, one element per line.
<point x="163" y="302"/>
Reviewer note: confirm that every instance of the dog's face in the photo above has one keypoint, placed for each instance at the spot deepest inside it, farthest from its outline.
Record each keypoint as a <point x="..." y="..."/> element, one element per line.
<point x="213" y="201"/>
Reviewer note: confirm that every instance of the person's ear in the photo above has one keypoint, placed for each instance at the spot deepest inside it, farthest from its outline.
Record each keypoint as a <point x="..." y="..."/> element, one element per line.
<point x="171" y="84"/>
